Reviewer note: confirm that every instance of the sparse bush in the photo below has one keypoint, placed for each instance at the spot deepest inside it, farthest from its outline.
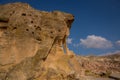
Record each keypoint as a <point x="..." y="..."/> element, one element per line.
<point x="88" y="72"/>
<point x="105" y="74"/>
<point x="108" y="73"/>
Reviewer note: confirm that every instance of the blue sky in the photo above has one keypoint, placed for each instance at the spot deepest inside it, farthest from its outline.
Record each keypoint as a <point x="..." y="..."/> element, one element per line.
<point x="96" y="29"/>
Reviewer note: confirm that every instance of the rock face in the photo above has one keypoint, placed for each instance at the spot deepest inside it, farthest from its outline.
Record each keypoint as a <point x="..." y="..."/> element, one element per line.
<point x="27" y="37"/>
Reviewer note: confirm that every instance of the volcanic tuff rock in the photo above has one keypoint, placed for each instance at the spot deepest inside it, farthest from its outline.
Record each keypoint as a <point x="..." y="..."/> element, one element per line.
<point x="27" y="36"/>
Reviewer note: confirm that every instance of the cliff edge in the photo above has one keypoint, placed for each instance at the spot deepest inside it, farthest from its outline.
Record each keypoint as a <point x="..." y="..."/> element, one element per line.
<point x="27" y="37"/>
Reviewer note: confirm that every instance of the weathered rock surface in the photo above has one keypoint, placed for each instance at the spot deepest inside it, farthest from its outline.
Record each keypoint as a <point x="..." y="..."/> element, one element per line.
<point x="27" y="36"/>
<point x="107" y="67"/>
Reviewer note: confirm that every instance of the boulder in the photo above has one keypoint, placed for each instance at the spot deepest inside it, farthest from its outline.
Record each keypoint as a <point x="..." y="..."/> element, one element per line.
<point x="27" y="36"/>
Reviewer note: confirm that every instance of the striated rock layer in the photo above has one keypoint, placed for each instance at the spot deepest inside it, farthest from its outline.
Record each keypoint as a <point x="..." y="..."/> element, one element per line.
<point x="27" y="36"/>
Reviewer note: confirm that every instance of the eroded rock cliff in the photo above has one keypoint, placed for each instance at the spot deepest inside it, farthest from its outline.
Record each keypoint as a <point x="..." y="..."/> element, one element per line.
<point x="27" y="37"/>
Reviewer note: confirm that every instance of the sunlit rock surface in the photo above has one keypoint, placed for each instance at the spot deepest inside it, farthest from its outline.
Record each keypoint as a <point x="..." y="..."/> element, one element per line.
<point x="27" y="36"/>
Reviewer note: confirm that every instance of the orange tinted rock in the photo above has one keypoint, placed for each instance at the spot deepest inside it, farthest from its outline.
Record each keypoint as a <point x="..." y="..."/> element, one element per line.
<point x="26" y="38"/>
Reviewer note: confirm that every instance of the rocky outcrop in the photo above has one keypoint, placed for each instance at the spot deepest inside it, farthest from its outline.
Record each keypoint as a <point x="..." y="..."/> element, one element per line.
<point x="100" y="66"/>
<point x="27" y="37"/>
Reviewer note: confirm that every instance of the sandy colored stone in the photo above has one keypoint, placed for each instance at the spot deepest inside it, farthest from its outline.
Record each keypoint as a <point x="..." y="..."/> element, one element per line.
<point x="26" y="38"/>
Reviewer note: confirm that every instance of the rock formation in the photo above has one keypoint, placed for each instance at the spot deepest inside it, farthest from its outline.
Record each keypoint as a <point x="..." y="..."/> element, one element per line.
<point x="27" y="37"/>
<point x="33" y="47"/>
